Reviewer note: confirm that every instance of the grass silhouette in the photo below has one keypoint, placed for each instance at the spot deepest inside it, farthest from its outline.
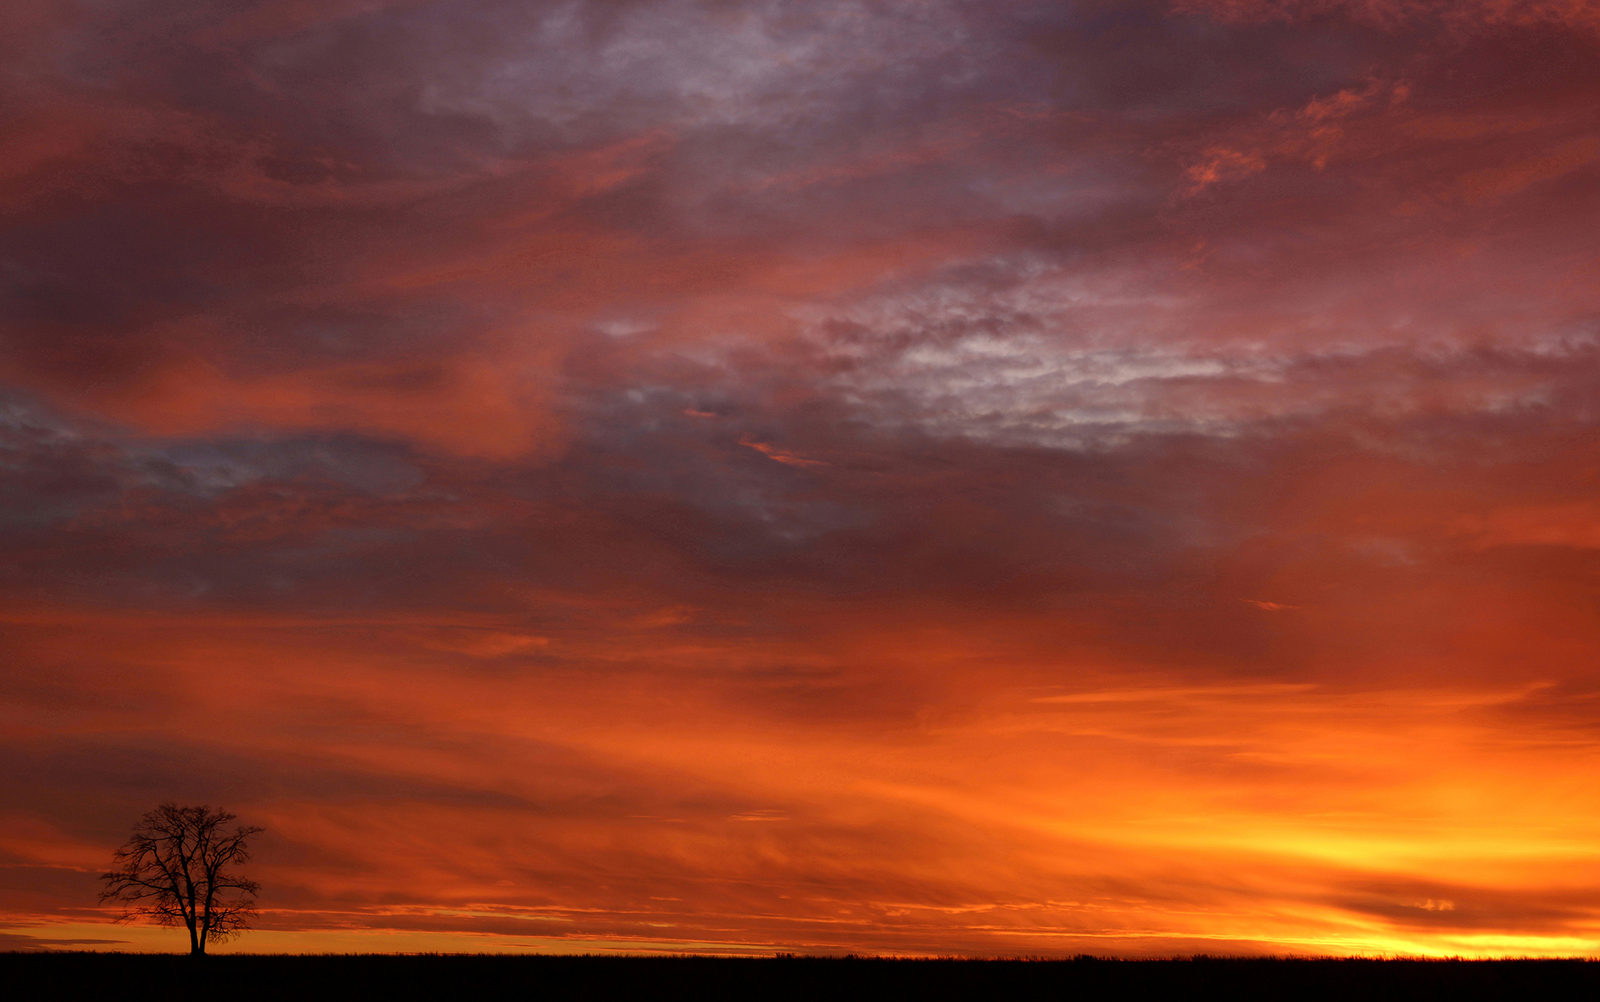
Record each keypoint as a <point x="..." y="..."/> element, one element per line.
<point x="65" y="975"/>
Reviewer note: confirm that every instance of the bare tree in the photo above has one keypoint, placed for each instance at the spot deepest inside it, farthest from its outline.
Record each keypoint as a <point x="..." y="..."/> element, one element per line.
<point x="175" y="868"/>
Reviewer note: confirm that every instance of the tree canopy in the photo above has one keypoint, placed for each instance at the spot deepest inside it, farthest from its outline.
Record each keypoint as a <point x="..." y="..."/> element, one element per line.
<point x="177" y="868"/>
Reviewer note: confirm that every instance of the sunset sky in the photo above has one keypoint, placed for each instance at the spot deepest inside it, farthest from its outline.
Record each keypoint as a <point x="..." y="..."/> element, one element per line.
<point x="1021" y="477"/>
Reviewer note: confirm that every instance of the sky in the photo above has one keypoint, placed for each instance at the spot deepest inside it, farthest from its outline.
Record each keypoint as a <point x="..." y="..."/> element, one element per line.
<point x="902" y="477"/>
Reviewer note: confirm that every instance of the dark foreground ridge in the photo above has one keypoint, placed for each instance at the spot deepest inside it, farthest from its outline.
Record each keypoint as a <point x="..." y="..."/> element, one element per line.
<point x="458" y="976"/>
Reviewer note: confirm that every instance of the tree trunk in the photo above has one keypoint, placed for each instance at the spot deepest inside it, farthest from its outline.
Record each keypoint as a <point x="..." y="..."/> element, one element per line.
<point x="197" y="946"/>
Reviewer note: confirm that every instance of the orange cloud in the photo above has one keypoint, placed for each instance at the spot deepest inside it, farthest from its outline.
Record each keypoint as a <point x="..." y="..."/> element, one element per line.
<point x="640" y="816"/>
<point x="1220" y="164"/>
<point x="1311" y="134"/>
<point x="466" y="406"/>
<point x="1575" y="523"/>
<point x="778" y="455"/>
<point x="1501" y="181"/>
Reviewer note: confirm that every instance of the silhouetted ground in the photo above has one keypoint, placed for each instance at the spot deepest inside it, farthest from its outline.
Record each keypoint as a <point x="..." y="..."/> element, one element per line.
<point x="109" y="975"/>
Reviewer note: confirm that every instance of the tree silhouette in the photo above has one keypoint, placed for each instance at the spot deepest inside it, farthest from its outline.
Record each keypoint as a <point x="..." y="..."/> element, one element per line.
<point x="174" y="869"/>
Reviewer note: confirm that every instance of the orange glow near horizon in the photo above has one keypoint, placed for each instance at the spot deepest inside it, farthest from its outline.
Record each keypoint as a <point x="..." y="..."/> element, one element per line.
<point x="908" y="478"/>
<point x="1127" y="814"/>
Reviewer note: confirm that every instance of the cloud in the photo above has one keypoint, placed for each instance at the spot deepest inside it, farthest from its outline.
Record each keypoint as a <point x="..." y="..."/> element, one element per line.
<point x="936" y="478"/>
<point x="24" y="942"/>
<point x="1574" y="523"/>
<point x="1389" y="13"/>
<point x="777" y="455"/>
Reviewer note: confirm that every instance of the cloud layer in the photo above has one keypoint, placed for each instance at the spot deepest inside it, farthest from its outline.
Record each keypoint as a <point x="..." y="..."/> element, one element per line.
<point x="885" y="476"/>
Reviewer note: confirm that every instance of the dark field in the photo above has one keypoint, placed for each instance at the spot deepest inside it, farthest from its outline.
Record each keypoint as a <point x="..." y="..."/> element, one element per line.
<point x="91" y="975"/>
